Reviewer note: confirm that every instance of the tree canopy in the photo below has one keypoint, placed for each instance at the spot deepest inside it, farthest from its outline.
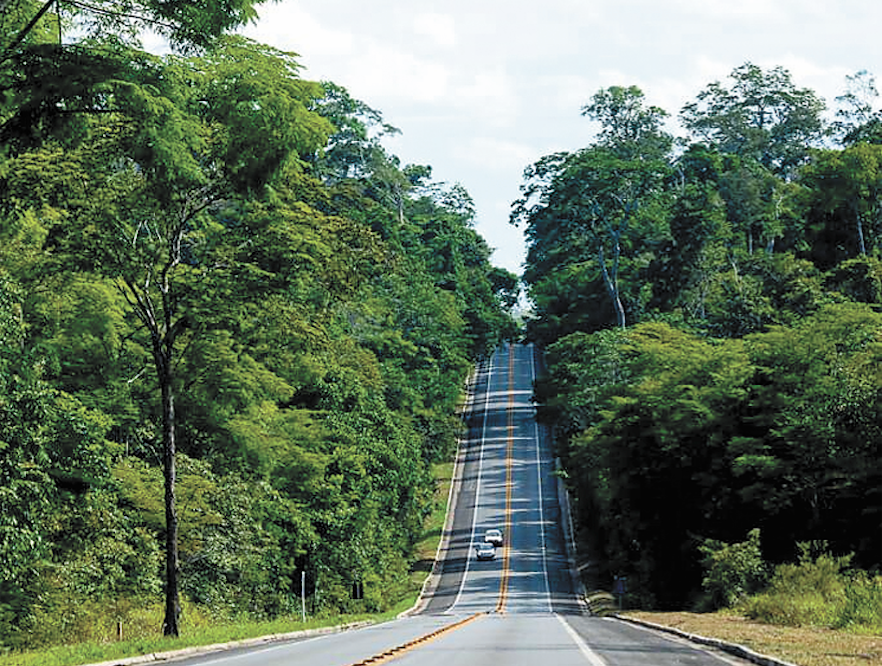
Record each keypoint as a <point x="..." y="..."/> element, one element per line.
<point x="709" y="313"/>
<point x="215" y="280"/>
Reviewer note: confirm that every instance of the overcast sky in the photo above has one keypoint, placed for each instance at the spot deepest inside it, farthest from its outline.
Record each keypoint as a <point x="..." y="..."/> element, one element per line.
<point x="482" y="88"/>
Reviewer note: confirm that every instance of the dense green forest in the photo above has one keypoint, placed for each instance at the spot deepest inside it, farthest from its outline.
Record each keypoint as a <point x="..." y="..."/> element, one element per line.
<point x="234" y="329"/>
<point x="711" y="308"/>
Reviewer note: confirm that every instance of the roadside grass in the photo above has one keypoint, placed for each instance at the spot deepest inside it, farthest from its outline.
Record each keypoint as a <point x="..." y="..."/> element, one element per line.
<point x="192" y="636"/>
<point x="813" y="612"/>
<point x="427" y="546"/>
<point x="805" y="646"/>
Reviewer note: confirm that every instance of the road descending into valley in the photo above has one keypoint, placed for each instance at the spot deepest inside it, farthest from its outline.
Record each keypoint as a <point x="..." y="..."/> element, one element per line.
<point x="519" y="609"/>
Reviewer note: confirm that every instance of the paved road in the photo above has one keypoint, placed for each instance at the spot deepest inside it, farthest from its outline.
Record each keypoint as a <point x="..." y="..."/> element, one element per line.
<point x="520" y="609"/>
<point x="507" y="483"/>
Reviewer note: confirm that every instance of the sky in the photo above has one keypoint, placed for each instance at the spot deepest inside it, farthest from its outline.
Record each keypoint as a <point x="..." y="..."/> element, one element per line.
<point x="481" y="89"/>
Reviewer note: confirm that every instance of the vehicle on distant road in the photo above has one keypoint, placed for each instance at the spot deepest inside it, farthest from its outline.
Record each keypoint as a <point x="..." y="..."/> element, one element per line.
<point x="485" y="551"/>
<point x="494" y="537"/>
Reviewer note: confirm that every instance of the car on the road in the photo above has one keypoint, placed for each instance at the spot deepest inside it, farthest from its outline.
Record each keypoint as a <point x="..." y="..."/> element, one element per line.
<point x="485" y="551"/>
<point x="494" y="537"/>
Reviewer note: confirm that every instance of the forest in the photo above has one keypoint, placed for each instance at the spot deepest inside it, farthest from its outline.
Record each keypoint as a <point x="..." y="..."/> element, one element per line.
<point x="709" y="296"/>
<point x="234" y="329"/>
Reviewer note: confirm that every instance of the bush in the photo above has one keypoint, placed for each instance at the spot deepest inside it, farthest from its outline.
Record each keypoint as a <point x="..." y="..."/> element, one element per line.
<point x="732" y="571"/>
<point x="862" y="607"/>
<point x="812" y="592"/>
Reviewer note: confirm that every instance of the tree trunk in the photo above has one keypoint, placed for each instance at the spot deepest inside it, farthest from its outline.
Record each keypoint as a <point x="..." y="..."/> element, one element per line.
<point x="862" y="245"/>
<point x="172" y="566"/>
<point x="611" y="281"/>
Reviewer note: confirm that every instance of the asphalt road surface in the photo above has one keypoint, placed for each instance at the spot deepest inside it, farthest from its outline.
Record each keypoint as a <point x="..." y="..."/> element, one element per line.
<point x="519" y="609"/>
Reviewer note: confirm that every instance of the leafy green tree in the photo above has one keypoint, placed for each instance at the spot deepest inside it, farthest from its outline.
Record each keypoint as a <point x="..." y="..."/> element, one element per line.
<point x="629" y="127"/>
<point x="753" y="195"/>
<point x="811" y="428"/>
<point x="609" y="202"/>
<point x="732" y="571"/>
<point x="569" y="299"/>
<point x="859" y="279"/>
<point x="753" y="403"/>
<point x="77" y="76"/>
<point x="185" y="26"/>
<point x="761" y="291"/>
<point x="161" y="183"/>
<point x="52" y="452"/>
<point x="571" y="394"/>
<point x="26" y="495"/>
<point x="603" y="200"/>
<point x="652" y="466"/>
<point x="701" y="235"/>
<point x="354" y="150"/>
<point x="844" y="213"/>
<point x="761" y="116"/>
<point x="857" y="121"/>
<point x="174" y="228"/>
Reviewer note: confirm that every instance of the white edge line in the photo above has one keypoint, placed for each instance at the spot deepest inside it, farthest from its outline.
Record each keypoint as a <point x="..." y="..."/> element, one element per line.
<point x="455" y="478"/>
<point x="539" y="483"/>
<point x="586" y="651"/>
<point x="465" y="573"/>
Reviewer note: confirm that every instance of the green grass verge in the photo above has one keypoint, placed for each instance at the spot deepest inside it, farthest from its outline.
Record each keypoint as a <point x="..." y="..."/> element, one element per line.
<point x="88" y="653"/>
<point x="427" y="546"/>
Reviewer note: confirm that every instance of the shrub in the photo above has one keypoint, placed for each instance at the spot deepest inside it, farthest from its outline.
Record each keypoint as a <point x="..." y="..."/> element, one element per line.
<point x="732" y="571"/>
<point x="811" y="592"/>
<point x="862" y="607"/>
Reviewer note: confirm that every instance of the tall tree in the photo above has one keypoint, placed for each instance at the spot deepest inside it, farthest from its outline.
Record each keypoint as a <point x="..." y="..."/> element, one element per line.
<point x="599" y="200"/>
<point x="628" y="126"/>
<point x="76" y="70"/>
<point x="186" y="26"/>
<point x="761" y="115"/>
<point x="844" y="194"/>
<point x="857" y="120"/>
<point x="700" y="235"/>
<point x="179" y="151"/>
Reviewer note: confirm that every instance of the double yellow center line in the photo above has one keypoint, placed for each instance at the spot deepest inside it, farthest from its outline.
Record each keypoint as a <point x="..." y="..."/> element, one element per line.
<point x="509" y="448"/>
<point x="396" y="652"/>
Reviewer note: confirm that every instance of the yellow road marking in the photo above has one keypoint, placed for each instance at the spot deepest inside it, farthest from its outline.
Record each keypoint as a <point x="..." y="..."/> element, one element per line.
<point x="509" y="447"/>
<point x="396" y="652"/>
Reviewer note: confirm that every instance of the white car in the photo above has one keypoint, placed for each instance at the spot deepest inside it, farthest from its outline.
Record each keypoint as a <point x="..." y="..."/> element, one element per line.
<point x="494" y="537"/>
<point x="485" y="551"/>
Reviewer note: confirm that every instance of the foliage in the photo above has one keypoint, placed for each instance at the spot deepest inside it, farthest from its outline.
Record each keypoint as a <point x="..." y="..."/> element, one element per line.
<point x="762" y="116"/>
<point x="669" y="434"/>
<point x="857" y="120"/>
<point x="741" y="391"/>
<point x="819" y="591"/>
<point x="732" y="571"/>
<point x="844" y="215"/>
<point x="195" y="292"/>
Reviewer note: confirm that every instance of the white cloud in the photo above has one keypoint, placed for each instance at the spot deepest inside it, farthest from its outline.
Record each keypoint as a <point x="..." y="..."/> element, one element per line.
<point x="489" y="97"/>
<point x="288" y="27"/>
<point x="497" y="154"/>
<point x="383" y="71"/>
<point x="567" y="93"/>
<point x="730" y="9"/>
<point x="807" y="73"/>
<point x="482" y="88"/>
<point x="440" y="28"/>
